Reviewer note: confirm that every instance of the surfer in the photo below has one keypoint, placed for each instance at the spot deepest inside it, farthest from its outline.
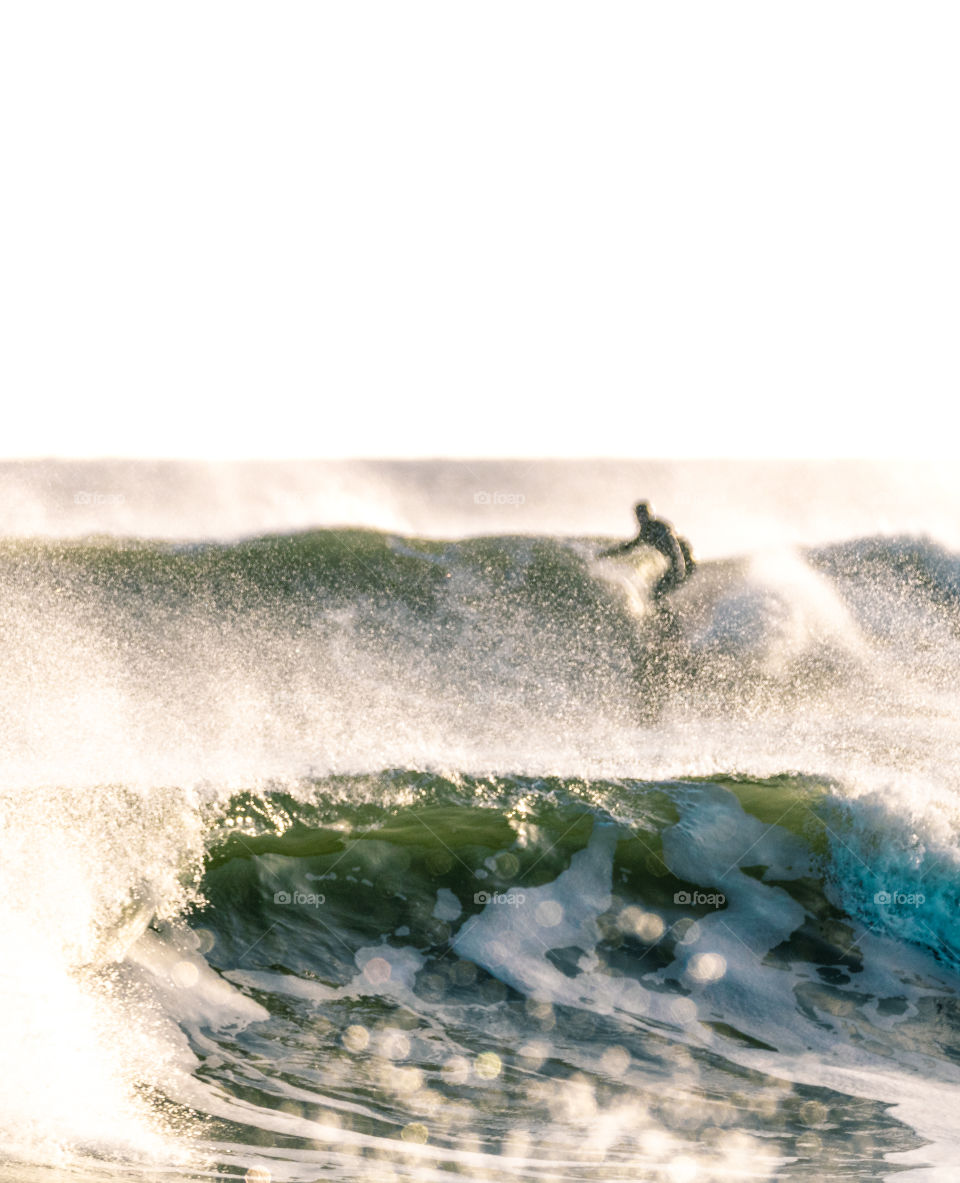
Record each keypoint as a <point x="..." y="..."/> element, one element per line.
<point x="661" y="536"/>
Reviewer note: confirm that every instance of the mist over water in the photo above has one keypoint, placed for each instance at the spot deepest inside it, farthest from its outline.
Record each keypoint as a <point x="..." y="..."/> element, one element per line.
<point x="415" y="691"/>
<point x="726" y="507"/>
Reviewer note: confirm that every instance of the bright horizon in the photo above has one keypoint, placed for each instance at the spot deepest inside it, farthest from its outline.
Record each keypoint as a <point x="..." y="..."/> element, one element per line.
<point x="240" y="231"/>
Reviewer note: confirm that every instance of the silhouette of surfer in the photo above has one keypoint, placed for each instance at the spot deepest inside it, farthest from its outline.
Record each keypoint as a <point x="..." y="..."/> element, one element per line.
<point x="658" y="653"/>
<point x="661" y="536"/>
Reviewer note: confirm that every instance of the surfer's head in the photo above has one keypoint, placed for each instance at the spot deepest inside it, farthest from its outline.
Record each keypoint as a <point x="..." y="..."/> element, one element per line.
<point x="642" y="510"/>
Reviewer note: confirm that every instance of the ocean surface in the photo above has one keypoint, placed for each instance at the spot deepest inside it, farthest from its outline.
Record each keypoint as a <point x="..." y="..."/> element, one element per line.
<point x="359" y="822"/>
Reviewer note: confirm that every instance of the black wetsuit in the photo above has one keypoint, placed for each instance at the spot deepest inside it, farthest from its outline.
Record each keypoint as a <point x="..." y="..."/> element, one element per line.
<point x="661" y="536"/>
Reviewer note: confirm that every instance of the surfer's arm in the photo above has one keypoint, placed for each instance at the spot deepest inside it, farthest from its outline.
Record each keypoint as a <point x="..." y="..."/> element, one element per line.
<point x="622" y="548"/>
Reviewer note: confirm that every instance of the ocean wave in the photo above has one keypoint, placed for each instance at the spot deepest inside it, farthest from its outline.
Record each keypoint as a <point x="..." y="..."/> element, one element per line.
<point x="645" y="887"/>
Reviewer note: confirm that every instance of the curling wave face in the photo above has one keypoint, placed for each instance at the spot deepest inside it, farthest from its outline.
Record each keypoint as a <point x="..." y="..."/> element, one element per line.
<point x="638" y="891"/>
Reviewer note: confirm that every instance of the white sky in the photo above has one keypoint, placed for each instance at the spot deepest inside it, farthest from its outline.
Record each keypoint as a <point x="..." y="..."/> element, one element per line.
<point x="499" y="228"/>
